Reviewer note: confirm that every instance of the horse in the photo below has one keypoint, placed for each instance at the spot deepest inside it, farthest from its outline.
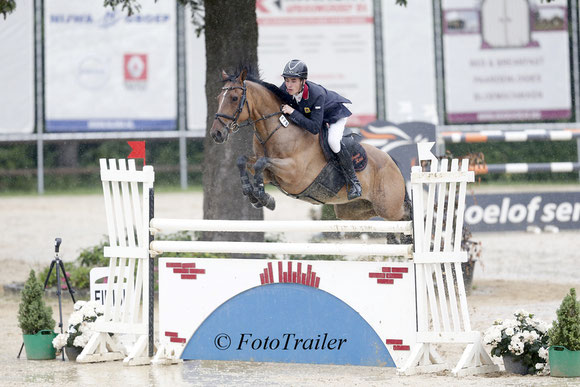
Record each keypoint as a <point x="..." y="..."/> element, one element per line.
<point x="291" y="158"/>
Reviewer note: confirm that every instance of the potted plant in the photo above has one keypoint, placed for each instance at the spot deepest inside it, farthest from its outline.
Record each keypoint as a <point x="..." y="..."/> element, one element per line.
<point x="79" y="331"/>
<point x="521" y="342"/>
<point x="35" y="320"/>
<point x="565" y="338"/>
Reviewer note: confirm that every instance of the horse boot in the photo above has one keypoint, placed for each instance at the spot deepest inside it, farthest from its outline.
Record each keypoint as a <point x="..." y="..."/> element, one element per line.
<point x="352" y="184"/>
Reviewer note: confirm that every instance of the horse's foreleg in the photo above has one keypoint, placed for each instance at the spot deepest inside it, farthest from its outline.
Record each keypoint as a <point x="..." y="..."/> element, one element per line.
<point x="259" y="192"/>
<point x="247" y="186"/>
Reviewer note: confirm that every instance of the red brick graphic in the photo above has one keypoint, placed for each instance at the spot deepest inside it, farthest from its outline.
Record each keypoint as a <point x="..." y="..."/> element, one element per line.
<point x="388" y="274"/>
<point x="187" y="270"/>
<point x="289" y="275"/>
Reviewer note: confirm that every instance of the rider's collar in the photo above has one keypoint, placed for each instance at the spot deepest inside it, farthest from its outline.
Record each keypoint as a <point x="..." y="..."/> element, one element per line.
<point x="305" y="91"/>
<point x="301" y="95"/>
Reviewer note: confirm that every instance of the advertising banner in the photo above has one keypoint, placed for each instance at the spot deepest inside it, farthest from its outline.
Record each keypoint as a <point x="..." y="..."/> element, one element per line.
<point x="107" y="71"/>
<point x="333" y="37"/>
<point x="195" y="73"/>
<point x="506" y="60"/>
<point x="517" y="211"/>
<point x="409" y="61"/>
<point x="17" y="70"/>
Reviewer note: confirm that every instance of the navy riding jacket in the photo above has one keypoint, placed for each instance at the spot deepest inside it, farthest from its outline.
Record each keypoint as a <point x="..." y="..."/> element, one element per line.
<point x="317" y="106"/>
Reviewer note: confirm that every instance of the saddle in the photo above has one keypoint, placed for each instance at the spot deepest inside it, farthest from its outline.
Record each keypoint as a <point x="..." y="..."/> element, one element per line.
<point x="331" y="178"/>
<point x="352" y="143"/>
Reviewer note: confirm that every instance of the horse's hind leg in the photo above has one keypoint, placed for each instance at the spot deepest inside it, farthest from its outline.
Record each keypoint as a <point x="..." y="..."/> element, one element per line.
<point x="247" y="186"/>
<point x="259" y="193"/>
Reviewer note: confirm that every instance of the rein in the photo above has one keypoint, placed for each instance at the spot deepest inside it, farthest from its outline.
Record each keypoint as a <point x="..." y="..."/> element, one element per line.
<point x="233" y="126"/>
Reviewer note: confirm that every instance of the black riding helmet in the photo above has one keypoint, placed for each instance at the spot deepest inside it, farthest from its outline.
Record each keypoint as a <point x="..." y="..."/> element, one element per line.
<point x="295" y="69"/>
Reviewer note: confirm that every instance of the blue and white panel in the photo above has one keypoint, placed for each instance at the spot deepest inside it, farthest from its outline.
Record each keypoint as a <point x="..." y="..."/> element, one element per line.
<point x="325" y="312"/>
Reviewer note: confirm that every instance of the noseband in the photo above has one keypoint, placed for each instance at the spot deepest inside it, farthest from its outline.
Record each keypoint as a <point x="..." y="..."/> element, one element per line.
<point x="233" y="126"/>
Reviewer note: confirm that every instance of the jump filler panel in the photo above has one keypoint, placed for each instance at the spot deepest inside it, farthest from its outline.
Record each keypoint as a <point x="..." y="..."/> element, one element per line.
<point x="359" y="313"/>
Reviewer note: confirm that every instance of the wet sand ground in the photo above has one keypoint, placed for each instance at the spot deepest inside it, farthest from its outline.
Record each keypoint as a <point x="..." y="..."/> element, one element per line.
<point x="517" y="270"/>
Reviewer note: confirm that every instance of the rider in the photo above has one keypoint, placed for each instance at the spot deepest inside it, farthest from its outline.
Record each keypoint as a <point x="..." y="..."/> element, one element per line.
<point x="313" y="106"/>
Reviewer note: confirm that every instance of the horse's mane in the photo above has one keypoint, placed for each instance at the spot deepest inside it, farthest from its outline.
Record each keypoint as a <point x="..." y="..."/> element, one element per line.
<point x="254" y="76"/>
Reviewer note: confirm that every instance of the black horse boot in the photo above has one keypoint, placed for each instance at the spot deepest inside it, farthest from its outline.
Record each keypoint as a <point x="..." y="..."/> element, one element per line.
<point x="352" y="184"/>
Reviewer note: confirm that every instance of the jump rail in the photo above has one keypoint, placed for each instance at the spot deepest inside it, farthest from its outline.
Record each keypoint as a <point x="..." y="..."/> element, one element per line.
<point x="441" y="308"/>
<point x="485" y="136"/>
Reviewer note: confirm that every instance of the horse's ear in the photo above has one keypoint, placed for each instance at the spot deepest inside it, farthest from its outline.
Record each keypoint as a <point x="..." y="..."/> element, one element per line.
<point x="224" y="75"/>
<point x="243" y="75"/>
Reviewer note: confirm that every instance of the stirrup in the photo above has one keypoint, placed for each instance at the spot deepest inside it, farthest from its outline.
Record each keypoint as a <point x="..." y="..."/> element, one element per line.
<point x="354" y="189"/>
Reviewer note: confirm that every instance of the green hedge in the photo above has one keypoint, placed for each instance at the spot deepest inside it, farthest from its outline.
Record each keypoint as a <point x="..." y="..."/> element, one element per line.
<point x="19" y="157"/>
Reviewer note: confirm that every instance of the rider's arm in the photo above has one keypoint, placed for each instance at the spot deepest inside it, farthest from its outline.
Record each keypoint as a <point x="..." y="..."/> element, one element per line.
<point x="314" y="122"/>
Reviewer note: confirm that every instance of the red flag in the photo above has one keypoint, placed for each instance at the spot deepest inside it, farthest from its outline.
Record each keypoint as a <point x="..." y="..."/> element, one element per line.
<point x="137" y="150"/>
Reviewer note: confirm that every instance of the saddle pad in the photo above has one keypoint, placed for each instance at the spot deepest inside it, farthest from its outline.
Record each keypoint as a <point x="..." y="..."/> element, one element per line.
<point x="351" y="141"/>
<point x="325" y="186"/>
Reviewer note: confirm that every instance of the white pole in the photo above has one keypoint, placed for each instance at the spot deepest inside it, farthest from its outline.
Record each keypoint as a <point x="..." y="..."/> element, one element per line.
<point x="280" y="248"/>
<point x="172" y="225"/>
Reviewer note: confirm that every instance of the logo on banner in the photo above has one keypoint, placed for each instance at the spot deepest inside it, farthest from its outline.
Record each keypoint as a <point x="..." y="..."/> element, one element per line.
<point x="135" y="70"/>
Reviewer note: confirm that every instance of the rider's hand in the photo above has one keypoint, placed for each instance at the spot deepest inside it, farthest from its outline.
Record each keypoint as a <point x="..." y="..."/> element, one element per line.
<point x="287" y="109"/>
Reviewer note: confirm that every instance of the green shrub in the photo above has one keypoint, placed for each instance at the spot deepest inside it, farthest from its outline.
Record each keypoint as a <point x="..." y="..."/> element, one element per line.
<point x="33" y="315"/>
<point x="565" y="330"/>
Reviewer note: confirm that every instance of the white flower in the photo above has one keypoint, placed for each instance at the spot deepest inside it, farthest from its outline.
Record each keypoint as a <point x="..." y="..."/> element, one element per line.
<point x="80" y="341"/>
<point x="79" y="304"/>
<point x="543" y="353"/>
<point x="60" y="340"/>
<point x="75" y="318"/>
<point x="509" y="331"/>
<point x="540" y="366"/>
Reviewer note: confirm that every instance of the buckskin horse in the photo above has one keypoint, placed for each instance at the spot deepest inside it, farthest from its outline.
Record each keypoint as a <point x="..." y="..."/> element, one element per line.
<point x="292" y="158"/>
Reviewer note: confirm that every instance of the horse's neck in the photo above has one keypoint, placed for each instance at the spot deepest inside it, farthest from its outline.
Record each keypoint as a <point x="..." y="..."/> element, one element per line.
<point x="286" y="140"/>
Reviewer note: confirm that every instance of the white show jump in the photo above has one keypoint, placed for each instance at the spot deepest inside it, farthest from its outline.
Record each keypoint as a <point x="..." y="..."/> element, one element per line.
<point x="441" y="311"/>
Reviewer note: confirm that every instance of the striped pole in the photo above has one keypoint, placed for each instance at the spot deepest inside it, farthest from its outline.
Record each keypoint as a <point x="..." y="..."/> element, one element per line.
<point x="526" y="168"/>
<point x="510" y="136"/>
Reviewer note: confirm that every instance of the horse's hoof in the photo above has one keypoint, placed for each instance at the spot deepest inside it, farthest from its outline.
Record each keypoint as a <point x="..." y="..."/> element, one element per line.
<point x="242" y="160"/>
<point x="270" y="203"/>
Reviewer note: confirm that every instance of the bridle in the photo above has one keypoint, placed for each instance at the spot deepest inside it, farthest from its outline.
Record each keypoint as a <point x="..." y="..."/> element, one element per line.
<point x="233" y="126"/>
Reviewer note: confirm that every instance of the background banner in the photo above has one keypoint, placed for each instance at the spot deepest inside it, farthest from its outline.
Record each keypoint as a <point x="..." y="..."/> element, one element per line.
<point x="17" y="70"/>
<point x="506" y="60"/>
<point x="517" y="211"/>
<point x="108" y="71"/>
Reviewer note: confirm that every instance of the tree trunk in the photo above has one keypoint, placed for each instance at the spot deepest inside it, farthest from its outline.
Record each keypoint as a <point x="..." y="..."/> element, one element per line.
<point x="231" y="39"/>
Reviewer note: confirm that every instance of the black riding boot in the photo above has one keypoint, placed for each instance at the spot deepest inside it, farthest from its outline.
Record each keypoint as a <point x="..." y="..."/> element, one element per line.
<point x="352" y="184"/>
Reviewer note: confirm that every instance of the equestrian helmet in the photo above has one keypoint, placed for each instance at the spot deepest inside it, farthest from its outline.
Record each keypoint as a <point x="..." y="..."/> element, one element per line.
<point x="295" y="69"/>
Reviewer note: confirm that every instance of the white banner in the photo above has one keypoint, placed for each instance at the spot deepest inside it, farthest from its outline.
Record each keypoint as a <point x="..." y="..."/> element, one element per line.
<point x="107" y="71"/>
<point x="195" y="73"/>
<point x="17" y="70"/>
<point x="333" y="37"/>
<point x="506" y="60"/>
<point x="409" y="61"/>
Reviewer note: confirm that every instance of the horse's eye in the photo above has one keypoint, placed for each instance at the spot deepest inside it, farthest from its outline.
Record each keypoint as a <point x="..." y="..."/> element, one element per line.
<point x="234" y="98"/>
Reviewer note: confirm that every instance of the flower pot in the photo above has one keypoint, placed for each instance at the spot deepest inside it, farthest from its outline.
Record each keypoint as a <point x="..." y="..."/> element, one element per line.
<point x="514" y="365"/>
<point x="563" y="362"/>
<point x="39" y="346"/>
<point x="72" y="352"/>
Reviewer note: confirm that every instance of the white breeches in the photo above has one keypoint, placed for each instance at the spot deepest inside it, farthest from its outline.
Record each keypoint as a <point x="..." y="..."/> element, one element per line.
<point x="335" y="132"/>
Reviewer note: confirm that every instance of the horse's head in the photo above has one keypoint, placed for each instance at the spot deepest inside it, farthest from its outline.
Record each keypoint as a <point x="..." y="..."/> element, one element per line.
<point x="231" y="109"/>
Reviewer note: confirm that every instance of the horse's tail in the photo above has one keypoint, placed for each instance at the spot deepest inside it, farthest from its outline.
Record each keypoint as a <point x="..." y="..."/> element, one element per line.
<point x="407" y="202"/>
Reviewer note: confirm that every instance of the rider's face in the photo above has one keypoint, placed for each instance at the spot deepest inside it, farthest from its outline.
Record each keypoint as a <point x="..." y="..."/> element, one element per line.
<point x="293" y="85"/>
